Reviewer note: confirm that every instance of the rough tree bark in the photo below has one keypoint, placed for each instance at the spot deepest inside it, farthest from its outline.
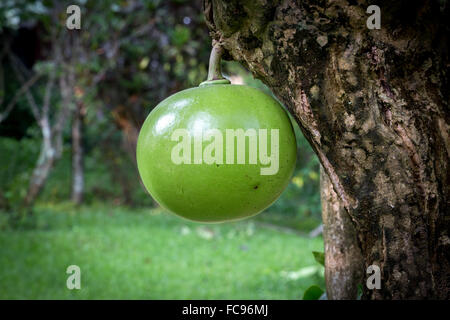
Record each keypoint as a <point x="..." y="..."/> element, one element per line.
<point x="374" y="106"/>
<point x="343" y="259"/>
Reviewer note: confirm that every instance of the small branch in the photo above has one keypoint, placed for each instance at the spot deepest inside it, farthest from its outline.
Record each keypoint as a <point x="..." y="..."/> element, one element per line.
<point x="48" y="93"/>
<point x="115" y="46"/>
<point x="31" y="101"/>
<point x="138" y="32"/>
<point x="25" y="87"/>
<point x="215" y="70"/>
<point x="66" y="106"/>
<point x="65" y="88"/>
<point x="317" y="231"/>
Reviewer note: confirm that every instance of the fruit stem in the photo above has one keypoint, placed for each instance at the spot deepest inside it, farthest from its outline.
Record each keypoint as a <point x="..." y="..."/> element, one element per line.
<point x="215" y="70"/>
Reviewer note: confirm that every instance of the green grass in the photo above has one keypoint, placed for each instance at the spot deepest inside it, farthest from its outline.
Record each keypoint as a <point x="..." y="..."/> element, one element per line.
<point x="148" y="254"/>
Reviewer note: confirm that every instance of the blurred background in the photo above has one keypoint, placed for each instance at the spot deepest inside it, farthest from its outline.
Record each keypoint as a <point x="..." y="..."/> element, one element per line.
<point x="71" y="106"/>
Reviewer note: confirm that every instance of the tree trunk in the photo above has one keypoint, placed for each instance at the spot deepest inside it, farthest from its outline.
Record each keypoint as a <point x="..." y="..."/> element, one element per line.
<point x="77" y="154"/>
<point x="343" y="259"/>
<point x="374" y="106"/>
<point x="42" y="169"/>
<point x="37" y="181"/>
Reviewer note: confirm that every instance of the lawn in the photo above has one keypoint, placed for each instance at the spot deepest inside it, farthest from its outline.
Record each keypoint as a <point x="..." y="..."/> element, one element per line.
<point x="128" y="253"/>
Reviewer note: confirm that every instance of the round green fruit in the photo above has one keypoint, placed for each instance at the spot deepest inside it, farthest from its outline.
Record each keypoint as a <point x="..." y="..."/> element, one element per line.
<point x="217" y="152"/>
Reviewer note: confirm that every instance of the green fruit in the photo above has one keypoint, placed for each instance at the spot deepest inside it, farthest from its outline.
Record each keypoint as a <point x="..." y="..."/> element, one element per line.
<point x="183" y="169"/>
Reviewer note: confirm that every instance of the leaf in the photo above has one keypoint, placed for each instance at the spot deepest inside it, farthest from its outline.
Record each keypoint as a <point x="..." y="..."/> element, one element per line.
<point x="319" y="257"/>
<point x="360" y="292"/>
<point x="313" y="293"/>
<point x="180" y="35"/>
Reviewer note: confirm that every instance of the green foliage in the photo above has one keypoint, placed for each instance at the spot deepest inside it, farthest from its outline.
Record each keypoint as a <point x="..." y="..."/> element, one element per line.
<point x="148" y="254"/>
<point x="359" y="292"/>
<point x="319" y="257"/>
<point x="313" y="293"/>
<point x="180" y="35"/>
<point x="17" y="160"/>
<point x="110" y="177"/>
<point x="13" y="12"/>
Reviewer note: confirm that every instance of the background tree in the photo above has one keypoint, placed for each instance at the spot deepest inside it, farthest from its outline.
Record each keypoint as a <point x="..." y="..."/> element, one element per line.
<point x="114" y="70"/>
<point x="56" y="70"/>
<point x="374" y="106"/>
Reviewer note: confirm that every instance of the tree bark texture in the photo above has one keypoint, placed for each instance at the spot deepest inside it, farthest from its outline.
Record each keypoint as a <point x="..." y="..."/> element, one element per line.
<point x="343" y="258"/>
<point x="374" y="106"/>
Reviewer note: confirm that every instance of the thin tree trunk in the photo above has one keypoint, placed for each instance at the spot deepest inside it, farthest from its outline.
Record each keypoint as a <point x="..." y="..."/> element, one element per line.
<point x="52" y="135"/>
<point x="37" y="181"/>
<point x="374" y="106"/>
<point x="344" y="264"/>
<point x="41" y="171"/>
<point x="77" y="155"/>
